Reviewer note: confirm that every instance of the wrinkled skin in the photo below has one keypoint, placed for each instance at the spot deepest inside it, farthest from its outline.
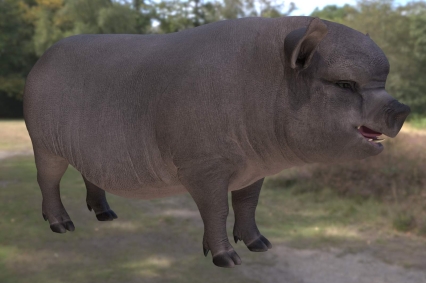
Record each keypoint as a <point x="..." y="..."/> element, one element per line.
<point x="206" y="111"/>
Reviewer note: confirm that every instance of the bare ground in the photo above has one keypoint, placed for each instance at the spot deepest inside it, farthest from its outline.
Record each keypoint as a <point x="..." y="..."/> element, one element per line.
<point x="7" y="153"/>
<point x="315" y="266"/>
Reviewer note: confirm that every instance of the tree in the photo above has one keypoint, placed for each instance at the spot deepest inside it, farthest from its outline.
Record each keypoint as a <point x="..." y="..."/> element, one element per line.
<point x="145" y="12"/>
<point x="118" y="18"/>
<point x="57" y="19"/>
<point x="177" y="15"/>
<point x="16" y="50"/>
<point x="335" y="13"/>
<point x="46" y="23"/>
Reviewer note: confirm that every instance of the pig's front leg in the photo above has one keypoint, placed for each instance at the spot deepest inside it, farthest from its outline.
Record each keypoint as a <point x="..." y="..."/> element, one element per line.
<point x="208" y="186"/>
<point x="244" y="202"/>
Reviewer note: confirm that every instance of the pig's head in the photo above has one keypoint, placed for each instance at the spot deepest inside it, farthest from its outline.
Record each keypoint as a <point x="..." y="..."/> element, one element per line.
<point x="337" y="105"/>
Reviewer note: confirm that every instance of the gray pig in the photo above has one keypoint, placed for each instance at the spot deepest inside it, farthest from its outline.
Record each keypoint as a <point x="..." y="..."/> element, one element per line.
<point x="208" y="110"/>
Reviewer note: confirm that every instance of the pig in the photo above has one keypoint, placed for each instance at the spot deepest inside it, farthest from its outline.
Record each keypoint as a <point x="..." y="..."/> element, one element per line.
<point x="205" y="111"/>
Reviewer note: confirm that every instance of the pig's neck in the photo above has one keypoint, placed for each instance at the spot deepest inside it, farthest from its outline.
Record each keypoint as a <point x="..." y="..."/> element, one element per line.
<point x="289" y="154"/>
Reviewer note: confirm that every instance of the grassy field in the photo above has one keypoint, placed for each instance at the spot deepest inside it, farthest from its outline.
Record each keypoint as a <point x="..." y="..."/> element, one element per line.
<point x="377" y="204"/>
<point x="14" y="135"/>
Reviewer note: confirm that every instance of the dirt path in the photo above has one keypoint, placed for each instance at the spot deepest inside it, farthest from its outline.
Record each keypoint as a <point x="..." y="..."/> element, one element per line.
<point x="313" y="266"/>
<point x="7" y="153"/>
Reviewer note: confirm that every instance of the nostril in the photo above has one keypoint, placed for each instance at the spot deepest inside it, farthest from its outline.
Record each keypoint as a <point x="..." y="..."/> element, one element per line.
<point x="400" y="117"/>
<point x="402" y="113"/>
<point x="408" y="109"/>
<point x="396" y="113"/>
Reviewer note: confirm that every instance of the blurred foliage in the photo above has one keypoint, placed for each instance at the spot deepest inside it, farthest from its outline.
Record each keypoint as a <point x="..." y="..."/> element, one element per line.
<point x="29" y="27"/>
<point x="176" y="15"/>
<point x="16" y="47"/>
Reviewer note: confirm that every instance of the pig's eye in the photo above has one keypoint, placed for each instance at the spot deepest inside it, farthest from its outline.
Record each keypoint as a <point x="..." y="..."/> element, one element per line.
<point x="345" y="84"/>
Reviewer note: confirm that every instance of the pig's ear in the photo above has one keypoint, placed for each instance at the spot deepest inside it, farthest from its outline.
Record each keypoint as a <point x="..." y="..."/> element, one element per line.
<point x="301" y="44"/>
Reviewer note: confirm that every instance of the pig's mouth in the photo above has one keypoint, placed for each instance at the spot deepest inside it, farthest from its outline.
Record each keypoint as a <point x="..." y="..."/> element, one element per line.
<point x="369" y="134"/>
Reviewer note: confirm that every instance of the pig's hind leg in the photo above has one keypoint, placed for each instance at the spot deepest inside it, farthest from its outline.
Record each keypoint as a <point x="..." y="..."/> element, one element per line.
<point x="97" y="201"/>
<point x="50" y="169"/>
<point x="244" y="202"/>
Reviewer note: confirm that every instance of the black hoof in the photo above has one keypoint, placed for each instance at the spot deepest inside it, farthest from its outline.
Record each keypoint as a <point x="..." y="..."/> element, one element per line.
<point x="44" y="216"/>
<point x="58" y="228"/>
<point x="205" y="251"/>
<point x="69" y="226"/>
<point x="236" y="239"/>
<point x="266" y="242"/>
<point x="227" y="259"/>
<point x="62" y="227"/>
<point x="106" y="216"/>
<point x="89" y="207"/>
<point x="261" y="244"/>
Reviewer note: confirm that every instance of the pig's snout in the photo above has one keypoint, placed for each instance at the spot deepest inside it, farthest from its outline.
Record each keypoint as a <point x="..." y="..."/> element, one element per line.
<point x="396" y="113"/>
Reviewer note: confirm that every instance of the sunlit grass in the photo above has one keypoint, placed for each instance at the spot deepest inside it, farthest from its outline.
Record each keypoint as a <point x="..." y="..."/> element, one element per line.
<point x="150" y="267"/>
<point x="14" y="135"/>
<point x="318" y="219"/>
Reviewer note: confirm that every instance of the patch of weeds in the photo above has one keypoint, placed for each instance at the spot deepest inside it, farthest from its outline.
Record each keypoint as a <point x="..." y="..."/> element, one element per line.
<point x="389" y="170"/>
<point x="168" y="219"/>
<point x="306" y="187"/>
<point x="384" y="212"/>
<point x="281" y="183"/>
<point x="357" y="199"/>
<point x="349" y="211"/>
<point x="417" y="121"/>
<point x="422" y="229"/>
<point x="403" y="221"/>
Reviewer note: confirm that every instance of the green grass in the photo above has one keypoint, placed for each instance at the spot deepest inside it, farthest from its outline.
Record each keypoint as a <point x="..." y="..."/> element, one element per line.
<point x="160" y="240"/>
<point x="404" y="221"/>
<point x="417" y="121"/>
<point x="14" y="135"/>
<point x="318" y="219"/>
